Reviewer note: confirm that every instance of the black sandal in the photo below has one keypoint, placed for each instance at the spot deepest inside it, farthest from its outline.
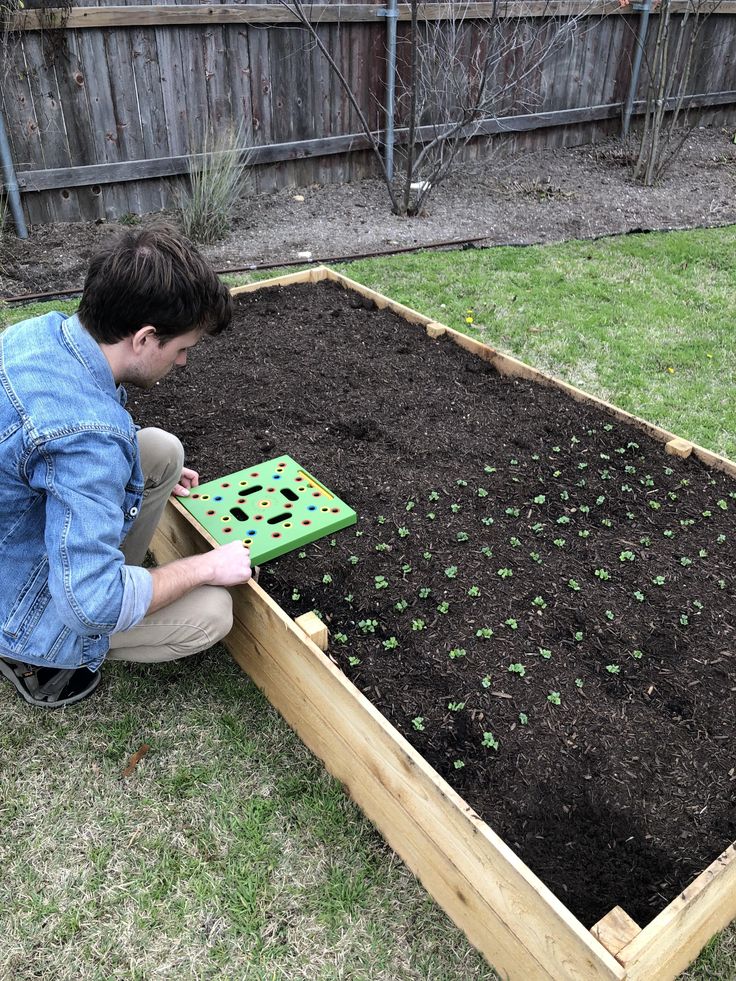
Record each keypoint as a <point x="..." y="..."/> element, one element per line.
<point x="49" y="687"/>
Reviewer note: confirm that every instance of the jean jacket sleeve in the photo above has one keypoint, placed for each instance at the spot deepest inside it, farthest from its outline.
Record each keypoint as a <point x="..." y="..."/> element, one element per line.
<point x="90" y="499"/>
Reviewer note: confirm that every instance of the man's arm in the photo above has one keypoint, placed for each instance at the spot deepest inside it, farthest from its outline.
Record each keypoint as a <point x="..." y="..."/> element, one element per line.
<point x="224" y="566"/>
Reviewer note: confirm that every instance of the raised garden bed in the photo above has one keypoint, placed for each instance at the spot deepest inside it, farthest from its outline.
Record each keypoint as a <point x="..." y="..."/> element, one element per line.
<point x="572" y="679"/>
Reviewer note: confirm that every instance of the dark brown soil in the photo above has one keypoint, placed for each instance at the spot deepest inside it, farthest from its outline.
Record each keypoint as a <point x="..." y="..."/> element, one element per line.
<point x="623" y="791"/>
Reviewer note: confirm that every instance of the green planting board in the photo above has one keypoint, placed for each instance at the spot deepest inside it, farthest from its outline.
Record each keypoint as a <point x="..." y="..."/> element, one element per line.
<point x="273" y="508"/>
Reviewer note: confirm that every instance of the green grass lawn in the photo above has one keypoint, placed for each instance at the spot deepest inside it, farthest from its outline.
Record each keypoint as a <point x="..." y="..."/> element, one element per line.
<point x="229" y="853"/>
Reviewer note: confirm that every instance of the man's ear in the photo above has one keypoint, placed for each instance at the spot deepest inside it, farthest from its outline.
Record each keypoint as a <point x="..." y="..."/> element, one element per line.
<point x="143" y="336"/>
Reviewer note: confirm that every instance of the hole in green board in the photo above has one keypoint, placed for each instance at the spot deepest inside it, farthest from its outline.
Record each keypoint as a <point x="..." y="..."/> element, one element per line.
<point x="251" y="490"/>
<point x="239" y="513"/>
<point x="289" y="494"/>
<point x="277" y="519"/>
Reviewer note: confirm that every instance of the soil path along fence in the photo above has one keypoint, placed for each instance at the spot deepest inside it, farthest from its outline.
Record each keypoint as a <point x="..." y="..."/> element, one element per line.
<point x="104" y="104"/>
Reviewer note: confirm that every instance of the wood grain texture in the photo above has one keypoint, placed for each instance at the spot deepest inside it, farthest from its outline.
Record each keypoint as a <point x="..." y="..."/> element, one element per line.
<point x="674" y="939"/>
<point x="615" y="930"/>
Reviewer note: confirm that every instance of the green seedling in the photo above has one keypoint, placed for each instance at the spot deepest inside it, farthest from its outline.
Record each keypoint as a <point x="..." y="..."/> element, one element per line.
<point x="391" y="644"/>
<point x="457" y="652"/>
<point x="613" y="668"/>
<point x="451" y="571"/>
<point x="486" y="681"/>
<point x="517" y="668"/>
<point x="474" y="591"/>
<point x="545" y="652"/>
<point x="523" y="718"/>
<point x="504" y="573"/>
<point x="418" y="723"/>
<point x="484" y="633"/>
<point x="418" y="624"/>
<point x="554" y="698"/>
<point x="367" y="626"/>
<point x="380" y="582"/>
<point x="456" y="706"/>
<point x="401" y="605"/>
<point x="489" y="742"/>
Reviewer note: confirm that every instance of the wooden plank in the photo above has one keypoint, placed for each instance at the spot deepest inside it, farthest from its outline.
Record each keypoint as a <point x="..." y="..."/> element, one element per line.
<point x="73" y="89"/>
<point x="679" y="447"/>
<point x="261" y="89"/>
<point x="39" y="180"/>
<point x="147" y="75"/>
<point x="50" y="140"/>
<point x="157" y="15"/>
<point x="615" y="930"/>
<point x="173" y="98"/>
<point x="503" y="908"/>
<point x="674" y="939"/>
<point x="314" y="628"/>
<point x="103" y="133"/>
<point x="305" y="276"/>
<point x="22" y="125"/>
<point x="128" y="127"/>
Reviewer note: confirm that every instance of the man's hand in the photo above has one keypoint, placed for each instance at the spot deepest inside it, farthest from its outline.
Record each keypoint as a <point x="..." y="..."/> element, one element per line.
<point x="224" y="566"/>
<point x="189" y="478"/>
<point x="230" y="564"/>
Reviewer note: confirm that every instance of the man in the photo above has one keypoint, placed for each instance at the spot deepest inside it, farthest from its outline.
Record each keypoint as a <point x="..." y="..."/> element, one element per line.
<point x="81" y="491"/>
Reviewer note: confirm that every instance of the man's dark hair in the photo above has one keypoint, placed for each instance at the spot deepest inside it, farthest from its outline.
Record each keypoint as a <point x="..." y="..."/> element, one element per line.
<point x="156" y="277"/>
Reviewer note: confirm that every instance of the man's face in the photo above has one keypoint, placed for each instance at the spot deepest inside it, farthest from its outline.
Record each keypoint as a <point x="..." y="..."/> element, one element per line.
<point x="156" y="359"/>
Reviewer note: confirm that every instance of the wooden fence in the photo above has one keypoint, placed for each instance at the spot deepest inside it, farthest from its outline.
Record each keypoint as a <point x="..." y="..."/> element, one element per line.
<point x="105" y="104"/>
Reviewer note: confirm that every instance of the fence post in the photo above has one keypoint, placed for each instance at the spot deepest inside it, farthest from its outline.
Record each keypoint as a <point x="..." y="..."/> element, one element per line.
<point x="641" y="40"/>
<point x="391" y="14"/>
<point x="11" y="184"/>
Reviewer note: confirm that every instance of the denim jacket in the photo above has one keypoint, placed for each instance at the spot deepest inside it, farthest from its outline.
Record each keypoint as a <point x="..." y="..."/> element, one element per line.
<point x="70" y="488"/>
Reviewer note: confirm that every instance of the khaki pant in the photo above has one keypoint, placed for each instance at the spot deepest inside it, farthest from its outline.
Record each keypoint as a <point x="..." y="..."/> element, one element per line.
<point x="197" y="620"/>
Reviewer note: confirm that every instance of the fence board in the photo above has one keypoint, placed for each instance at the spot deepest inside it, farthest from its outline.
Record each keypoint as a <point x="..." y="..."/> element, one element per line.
<point x="73" y="94"/>
<point x="147" y="93"/>
<point x="144" y="54"/>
